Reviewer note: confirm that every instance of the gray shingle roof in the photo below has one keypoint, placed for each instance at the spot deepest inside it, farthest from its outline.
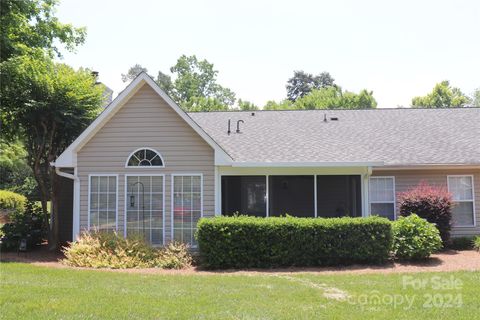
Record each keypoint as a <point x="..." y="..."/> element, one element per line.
<point x="393" y="136"/>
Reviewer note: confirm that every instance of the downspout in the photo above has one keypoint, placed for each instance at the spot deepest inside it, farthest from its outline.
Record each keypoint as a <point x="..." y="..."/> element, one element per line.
<point x="76" y="197"/>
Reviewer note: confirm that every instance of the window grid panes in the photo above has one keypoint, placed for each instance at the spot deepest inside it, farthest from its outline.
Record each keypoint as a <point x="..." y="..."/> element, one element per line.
<point x="382" y="197"/>
<point x="461" y="188"/>
<point x="103" y="202"/>
<point x="187" y="206"/>
<point x="145" y="208"/>
<point x="145" y="158"/>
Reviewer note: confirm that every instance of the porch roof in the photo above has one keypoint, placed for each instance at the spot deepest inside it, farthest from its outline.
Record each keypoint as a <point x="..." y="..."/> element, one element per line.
<point x="395" y="137"/>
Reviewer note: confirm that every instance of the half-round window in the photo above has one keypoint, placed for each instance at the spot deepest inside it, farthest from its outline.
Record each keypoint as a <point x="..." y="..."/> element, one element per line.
<point x="145" y="157"/>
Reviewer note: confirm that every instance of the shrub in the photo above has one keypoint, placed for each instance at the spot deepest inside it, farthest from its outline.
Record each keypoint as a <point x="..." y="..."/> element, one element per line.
<point x="414" y="238"/>
<point x="432" y="203"/>
<point x="246" y="242"/>
<point x="11" y="200"/>
<point x="97" y="249"/>
<point x="461" y="243"/>
<point x="27" y="223"/>
<point x="476" y="243"/>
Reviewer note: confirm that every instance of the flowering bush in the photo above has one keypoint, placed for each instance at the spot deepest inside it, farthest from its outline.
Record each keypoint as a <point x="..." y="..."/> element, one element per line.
<point x="432" y="203"/>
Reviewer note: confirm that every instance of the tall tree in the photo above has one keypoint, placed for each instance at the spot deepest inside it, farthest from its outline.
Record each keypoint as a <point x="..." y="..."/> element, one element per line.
<point x="31" y="24"/>
<point x="195" y="79"/>
<point x="303" y="83"/>
<point x="164" y="81"/>
<point x="133" y="72"/>
<point x="476" y="98"/>
<point x="332" y="97"/>
<point x="443" y="95"/>
<point x="245" y="105"/>
<point x="46" y="105"/>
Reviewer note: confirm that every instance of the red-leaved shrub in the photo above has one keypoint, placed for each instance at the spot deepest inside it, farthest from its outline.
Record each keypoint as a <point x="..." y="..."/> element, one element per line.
<point x="433" y="203"/>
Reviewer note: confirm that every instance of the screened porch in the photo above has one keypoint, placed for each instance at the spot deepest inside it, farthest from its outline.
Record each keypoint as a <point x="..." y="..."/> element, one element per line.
<point x="295" y="195"/>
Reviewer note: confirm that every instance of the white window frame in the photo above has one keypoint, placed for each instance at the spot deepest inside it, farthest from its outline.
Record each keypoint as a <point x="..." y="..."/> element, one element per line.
<point x="173" y="175"/>
<point x="89" y="195"/>
<point x="126" y="201"/>
<point x="472" y="201"/>
<point x="144" y="167"/>
<point x="394" y="202"/>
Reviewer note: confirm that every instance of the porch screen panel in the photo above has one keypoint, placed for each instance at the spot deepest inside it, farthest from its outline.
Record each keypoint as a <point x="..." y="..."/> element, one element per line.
<point x="103" y="202"/>
<point x="244" y="195"/>
<point x="292" y="195"/>
<point x="187" y="207"/>
<point x="339" y="196"/>
<point x="144" y="208"/>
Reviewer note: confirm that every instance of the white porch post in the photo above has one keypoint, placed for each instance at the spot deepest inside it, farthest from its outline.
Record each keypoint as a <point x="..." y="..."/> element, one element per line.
<point x="218" y="192"/>
<point x="366" y="200"/>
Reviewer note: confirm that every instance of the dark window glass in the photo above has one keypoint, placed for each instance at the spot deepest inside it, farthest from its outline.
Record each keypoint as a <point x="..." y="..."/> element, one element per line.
<point x="339" y="196"/>
<point x="244" y="195"/>
<point x="145" y="158"/>
<point x="292" y="195"/>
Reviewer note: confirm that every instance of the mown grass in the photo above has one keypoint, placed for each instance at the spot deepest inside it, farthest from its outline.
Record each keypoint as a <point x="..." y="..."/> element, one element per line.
<point x="32" y="292"/>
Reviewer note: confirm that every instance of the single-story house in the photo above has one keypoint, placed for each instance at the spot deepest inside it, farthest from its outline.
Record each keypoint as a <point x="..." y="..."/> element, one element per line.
<point x="146" y="166"/>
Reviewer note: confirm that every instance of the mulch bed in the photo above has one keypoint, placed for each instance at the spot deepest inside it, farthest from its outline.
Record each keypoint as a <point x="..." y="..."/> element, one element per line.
<point x="445" y="261"/>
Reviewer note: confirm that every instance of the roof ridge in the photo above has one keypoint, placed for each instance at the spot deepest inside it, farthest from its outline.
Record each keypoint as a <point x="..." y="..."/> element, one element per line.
<point x="340" y="109"/>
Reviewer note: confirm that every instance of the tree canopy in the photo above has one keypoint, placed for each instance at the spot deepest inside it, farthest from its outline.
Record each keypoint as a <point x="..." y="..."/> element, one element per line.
<point x="327" y="98"/>
<point x="133" y="72"/>
<point x="31" y="24"/>
<point x="443" y="95"/>
<point x="46" y="105"/>
<point x="303" y="83"/>
<point x="194" y="86"/>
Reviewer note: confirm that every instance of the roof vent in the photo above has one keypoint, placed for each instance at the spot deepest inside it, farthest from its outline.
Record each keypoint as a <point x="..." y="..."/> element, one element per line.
<point x="238" y="125"/>
<point x="253" y="114"/>
<point x="334" y="118"/>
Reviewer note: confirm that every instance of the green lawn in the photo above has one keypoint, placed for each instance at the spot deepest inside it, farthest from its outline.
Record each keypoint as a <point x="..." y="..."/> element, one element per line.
<point x="30" y="292"/>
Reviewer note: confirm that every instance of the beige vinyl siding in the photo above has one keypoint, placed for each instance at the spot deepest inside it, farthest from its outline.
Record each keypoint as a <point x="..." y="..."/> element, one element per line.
<point x="146" y="121"/>
<point x="405" y="179"/>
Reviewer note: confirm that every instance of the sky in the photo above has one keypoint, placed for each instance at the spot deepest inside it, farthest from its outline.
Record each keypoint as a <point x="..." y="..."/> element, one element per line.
<point x="397" y="49"/>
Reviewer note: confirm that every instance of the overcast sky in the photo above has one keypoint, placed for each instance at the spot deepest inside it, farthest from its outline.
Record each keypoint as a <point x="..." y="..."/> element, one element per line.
<point x="398" y="49"/>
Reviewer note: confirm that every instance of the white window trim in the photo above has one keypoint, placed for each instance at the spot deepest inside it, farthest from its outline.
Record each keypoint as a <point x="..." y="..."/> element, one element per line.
<point x="173" y="175"/>
<point x="126" y="202"/>
<point x="394" y="202"/>
<point x="89" y="194"/>
<point x="472" y="201"/>
<point x="144" y="167"/>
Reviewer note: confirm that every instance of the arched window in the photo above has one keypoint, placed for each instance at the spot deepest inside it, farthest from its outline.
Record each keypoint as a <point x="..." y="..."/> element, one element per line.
<point x="145" y="157"/>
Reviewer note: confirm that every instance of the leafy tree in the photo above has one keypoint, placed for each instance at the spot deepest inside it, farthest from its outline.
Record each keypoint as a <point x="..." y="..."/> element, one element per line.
<point x="196" y="104"/>
<point x="31" y="24"/>
<point x="476" y="98"/>
<point x="328" y="98"/>
<point x="16" y="175"/>
<point x="443" y="95"/>
<point x="164" y="81"/>
<point x="303" y="83"/>
<point x="46" y="105"/>
<point x="195" y="79"/>
<point x="246" y="105"/>
<point x="282" y="105"/>
<point x="133" y="72"/>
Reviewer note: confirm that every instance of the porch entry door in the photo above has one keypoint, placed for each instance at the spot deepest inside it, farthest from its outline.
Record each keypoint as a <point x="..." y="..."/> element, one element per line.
<point x="145" y="207"/>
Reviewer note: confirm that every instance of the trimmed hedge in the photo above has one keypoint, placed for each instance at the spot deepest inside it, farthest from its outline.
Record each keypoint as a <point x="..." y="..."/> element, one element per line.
<point x="251" y="242"/>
